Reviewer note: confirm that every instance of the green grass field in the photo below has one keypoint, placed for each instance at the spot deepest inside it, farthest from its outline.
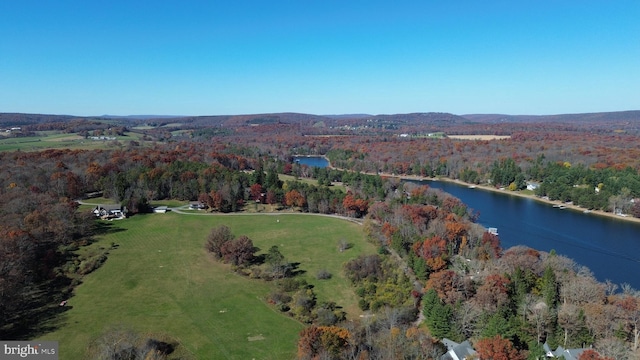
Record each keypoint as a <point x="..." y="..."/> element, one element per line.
<point x="54" y="140"/>
<point x="160" y="280"/>
<point x="313" y="182"/>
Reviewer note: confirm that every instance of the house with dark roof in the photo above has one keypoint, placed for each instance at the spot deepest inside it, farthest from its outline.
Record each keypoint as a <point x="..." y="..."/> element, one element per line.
<point x="455" y="351"/>
<point x="109" y="211"/>
<point x="560" y="352"/>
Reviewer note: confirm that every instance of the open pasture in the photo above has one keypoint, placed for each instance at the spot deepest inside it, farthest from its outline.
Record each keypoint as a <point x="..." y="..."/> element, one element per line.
<point x="54" y="140"/>
<point x="160" y="280"/>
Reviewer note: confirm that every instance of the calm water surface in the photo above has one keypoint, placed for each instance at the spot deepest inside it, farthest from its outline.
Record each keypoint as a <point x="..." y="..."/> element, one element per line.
<point x="609" y="247"/>
<point x="316" y="161"/>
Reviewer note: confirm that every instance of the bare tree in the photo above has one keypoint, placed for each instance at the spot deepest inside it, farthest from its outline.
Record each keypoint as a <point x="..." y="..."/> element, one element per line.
<point x="582" y="289"/>
<point x="539" y="317"/>
<point x="467" y="316"/>
<point x="613" y="348"/>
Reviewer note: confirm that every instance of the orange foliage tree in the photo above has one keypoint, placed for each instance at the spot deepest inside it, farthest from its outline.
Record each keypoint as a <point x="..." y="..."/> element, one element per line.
<point x="497" y="348"/>
<point x="318" y="341"/>
<point x="294" y="198"/>
<point x="591" y="354"/>
<point x="355" y="205"/>
<point x="456" y="232"/>
<point x="434" y="251"/>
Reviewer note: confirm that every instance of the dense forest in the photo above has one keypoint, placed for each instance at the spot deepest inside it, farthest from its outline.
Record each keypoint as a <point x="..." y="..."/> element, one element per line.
<point x="437" y="273"/>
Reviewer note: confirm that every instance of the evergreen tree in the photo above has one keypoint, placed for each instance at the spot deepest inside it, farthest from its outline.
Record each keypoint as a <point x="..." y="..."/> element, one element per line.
<point x="258" y="174"/>
<point x="272" y="181"/>
<point x="438" y="316"/>
<point x="549" y="288"/>
<point x="502" y="323"/>
<point x="420" y="268"/>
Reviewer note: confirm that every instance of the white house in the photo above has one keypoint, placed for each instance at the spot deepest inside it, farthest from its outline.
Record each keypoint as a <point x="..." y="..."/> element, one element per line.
<point x="109" y="211"/>
<point x="532" y="186"/>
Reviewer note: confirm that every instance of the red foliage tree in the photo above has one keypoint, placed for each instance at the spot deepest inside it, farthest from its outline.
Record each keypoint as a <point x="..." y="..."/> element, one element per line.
<point x="256" y="192"/>
<point x="446" y="284"/>
<point x="430" y="248"/>
<point x="591" y="354"/>
<point x="388" y="230"/>
<point x="497" y="348"/>
<point x="239" y="251"/>
<point x="272" y="199"/>
<point x="493" y="293"/>
<point x="434" y="251"/>
<point x="355" y="205"/>
<point x="217" y="199"/>
<point x="490" y="247"/>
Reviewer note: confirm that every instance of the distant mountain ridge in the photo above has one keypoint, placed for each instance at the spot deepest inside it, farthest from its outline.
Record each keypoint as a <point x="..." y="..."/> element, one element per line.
<point x="432" y="118"/>
<point x="140" y="117"/>
<point x="617" y="116"/>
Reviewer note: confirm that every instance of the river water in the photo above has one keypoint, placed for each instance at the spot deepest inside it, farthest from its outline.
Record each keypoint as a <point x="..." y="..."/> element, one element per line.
<point x="609" y="247"/>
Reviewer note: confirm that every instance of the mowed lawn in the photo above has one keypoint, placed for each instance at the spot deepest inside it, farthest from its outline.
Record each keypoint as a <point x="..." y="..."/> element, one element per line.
<point x="160" y="280"/>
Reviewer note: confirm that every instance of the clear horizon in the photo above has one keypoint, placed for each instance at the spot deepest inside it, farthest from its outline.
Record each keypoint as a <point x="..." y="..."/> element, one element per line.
<point x="208" y="58"/>
<point x="284" y="112"/>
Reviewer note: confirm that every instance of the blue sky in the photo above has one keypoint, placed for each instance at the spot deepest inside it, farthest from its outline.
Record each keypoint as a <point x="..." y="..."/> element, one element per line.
<point x="320" y="57"/>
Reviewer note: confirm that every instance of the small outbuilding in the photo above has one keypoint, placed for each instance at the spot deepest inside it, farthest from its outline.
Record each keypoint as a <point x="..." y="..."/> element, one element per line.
<point x="160" y="209"/>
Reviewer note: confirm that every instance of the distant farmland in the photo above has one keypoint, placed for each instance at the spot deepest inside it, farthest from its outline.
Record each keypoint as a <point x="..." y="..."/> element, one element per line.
<point x="479" y="137"/>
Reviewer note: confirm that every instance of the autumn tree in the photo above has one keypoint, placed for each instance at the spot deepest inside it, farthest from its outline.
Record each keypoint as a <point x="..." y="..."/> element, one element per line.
<point x="433" y="251"/>
<point x="493" y="293"/>
<point x="217" y="238"/>
<point x="355" y="205"/>
<point x="256" y="192"/>
<point x="448" y="285"/>
<point x="630" y="306"/>
<point x="238" y="252"/>
<point x="294" y="198"/>
<point x="205" y="199"/>
<point x="272" y="197"/>
<point x="317" y="342"/>
<point x="497" y="348"/>
<point x="489" y="247"/>
<point x="591" y="354"/>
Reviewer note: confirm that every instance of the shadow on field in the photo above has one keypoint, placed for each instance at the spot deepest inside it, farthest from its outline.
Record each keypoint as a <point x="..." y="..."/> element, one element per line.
<point x="38" y="307"/>
<point x="295" y="269"/>
<point x="105" y="228"/>
<point x="40" y="313"/>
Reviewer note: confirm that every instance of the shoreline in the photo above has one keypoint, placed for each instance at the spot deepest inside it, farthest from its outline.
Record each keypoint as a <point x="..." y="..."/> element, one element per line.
<point x="527" y="196"/>
<point x="572" y="207"/>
